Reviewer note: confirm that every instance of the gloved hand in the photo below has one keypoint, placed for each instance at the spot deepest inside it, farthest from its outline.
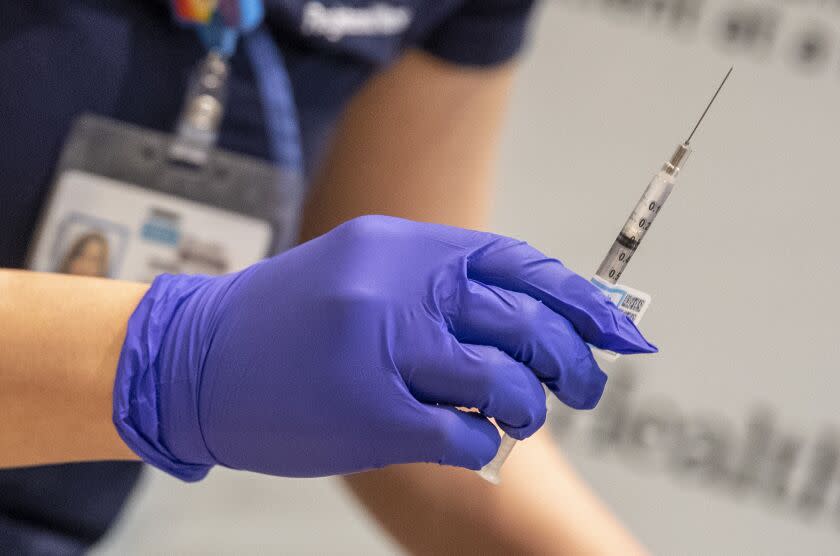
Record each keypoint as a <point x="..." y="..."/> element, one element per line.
<point x="351" y="351"/>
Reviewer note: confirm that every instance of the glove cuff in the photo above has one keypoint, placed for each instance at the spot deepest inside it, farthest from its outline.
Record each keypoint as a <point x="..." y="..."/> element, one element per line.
<point x="155" y="391"/>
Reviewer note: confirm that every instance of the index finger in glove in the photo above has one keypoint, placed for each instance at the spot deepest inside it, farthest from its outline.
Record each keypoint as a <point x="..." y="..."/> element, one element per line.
<point x="516" y="266"/>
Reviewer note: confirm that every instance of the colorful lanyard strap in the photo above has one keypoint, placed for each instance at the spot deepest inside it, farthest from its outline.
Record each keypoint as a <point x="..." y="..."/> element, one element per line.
<point x="219" y="23"/>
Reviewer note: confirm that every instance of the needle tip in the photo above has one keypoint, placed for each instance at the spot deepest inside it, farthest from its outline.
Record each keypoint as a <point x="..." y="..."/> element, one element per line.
<point x="725" y="77"/>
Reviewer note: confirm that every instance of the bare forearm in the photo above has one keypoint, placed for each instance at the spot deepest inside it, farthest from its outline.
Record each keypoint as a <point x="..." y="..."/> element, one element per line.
<point x="392" y="155"/>
<point x="541" y="507"/>
<point x="60" y="339"/>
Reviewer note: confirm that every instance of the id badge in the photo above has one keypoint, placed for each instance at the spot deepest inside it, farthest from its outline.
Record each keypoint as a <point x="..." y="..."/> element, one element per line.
<point x="121" y="207"/>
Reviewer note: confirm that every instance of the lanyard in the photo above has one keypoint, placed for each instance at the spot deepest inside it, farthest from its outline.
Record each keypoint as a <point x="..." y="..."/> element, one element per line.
<point x="219" y="23"/>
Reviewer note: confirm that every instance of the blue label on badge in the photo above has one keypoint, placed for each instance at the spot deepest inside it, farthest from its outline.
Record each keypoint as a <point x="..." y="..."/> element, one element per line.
<point x="161" y="227"/>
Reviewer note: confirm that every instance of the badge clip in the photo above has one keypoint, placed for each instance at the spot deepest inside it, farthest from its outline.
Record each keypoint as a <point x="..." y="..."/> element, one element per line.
<point x="201" y="116"/>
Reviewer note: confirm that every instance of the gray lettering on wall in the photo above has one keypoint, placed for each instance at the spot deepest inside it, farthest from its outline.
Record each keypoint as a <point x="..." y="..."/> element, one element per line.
<point x="775" y="31"/>
<point x="757" y="458"/>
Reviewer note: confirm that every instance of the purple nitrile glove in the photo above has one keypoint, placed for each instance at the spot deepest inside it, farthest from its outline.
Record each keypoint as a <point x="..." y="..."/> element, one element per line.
<point x="351" y="352"/>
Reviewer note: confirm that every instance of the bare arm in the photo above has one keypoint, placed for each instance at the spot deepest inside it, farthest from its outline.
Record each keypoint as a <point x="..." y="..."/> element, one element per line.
<point x="60" y="339"/>
<point x="542" y="507"/>
<point x="418" y="142"/>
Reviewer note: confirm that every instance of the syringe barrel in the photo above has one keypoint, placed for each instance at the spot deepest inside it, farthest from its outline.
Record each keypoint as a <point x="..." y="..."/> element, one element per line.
<point x="642" y="217"/>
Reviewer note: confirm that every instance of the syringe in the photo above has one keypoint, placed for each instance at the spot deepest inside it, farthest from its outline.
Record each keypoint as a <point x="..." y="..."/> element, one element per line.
<point x="623" y="248"/>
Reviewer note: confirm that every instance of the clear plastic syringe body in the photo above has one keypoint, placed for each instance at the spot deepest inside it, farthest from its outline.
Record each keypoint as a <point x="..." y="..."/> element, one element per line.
<point x="642" y="217"/>
<point x="617" y="259"/>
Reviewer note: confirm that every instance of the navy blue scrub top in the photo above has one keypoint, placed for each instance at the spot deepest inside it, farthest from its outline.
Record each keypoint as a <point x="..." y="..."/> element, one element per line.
<point x="127" y="59"/>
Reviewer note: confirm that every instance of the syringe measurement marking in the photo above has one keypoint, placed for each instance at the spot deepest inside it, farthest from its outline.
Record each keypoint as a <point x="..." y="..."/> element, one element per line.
<point x="636" y="226"/>
<point x="631" y="236"/>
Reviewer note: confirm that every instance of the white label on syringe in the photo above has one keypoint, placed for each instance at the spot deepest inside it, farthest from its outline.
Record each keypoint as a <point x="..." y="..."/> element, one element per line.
<point x="630" y="301"/>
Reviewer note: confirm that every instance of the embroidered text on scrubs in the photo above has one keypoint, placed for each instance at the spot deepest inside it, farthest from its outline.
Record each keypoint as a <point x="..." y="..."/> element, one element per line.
<point x="335" y="23"/>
